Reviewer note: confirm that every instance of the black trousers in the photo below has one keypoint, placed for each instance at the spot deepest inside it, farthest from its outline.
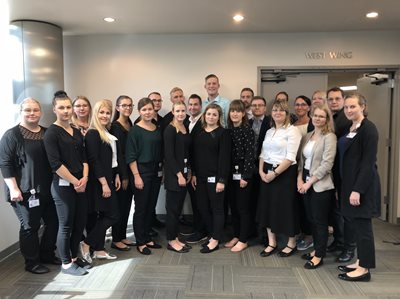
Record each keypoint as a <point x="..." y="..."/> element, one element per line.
<point x="174" y="204"/>
<point x="30" y="219"/>
<point x="239" y="200"/>
<point x="105" y="219"/>
<point x="145" y="202"/>
<point x="365" y="241"/>
<point x="211" y="206"/>
<point x="72" y="212"/>
<point x="343" y="232"/>
<point x="317" y="206"/>
<point x="198" y="223"/>
<point x="124" y="201"/>
<point x="305" y="221"/>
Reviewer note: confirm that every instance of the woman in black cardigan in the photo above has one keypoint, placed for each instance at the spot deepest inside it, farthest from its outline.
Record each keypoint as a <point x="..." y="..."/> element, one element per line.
<point x="104" y="181"/>
<point x="176" y="149"/>
<point x="360" y="191"/>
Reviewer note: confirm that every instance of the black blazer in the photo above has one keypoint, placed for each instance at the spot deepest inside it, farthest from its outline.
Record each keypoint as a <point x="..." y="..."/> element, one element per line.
<point x="360" y="174"/>
<point x="176" y="150"/>
<point x="99" y="155"/>
<point x="265" y="126"/>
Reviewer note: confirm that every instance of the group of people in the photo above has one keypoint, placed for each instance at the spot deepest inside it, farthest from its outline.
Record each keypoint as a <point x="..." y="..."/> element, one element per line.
<point x="288" y="174"/>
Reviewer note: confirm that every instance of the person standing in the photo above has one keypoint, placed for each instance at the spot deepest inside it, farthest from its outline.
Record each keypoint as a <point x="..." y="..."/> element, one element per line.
<point x="246" y="96"/>
<point x="144" y="156"/>
<point x="360" y="192"/>
<point x="66" y="155"/>
<point x="27" y="174"/>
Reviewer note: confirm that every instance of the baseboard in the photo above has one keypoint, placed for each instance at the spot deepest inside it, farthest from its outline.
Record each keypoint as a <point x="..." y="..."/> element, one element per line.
<point x="9" y="251"/>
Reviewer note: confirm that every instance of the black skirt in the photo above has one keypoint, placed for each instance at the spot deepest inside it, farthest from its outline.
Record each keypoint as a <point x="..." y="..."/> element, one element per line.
<point x="277" y="204"/>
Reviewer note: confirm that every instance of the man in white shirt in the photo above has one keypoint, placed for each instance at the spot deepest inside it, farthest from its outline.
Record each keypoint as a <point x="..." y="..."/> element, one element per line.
<point x="246" y="95"/>
<point x="212" y="87"/>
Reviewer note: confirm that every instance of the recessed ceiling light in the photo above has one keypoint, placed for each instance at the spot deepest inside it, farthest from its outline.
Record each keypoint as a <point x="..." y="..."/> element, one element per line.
<point x="238" y="18"/>
<point x="372" y="14"/>
<point x="109" y="20"/>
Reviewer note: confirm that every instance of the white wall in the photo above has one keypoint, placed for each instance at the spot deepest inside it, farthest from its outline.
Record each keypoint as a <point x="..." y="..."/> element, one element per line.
<point x="105" y="66"/>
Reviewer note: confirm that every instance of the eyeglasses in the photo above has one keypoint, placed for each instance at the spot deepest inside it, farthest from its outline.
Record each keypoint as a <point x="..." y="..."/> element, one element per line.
<point x="126" y="106"/>
<point x="36" y="110"/>
<point x="81" y="106"/>
<point x="278" y="110"/>
<point x="318" y="116"/>
<point x="258" y="105"/>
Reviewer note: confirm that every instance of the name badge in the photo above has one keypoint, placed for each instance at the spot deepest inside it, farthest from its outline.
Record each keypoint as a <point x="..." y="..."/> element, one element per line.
<point x="211" y="179"/>
<point x="185" y="170"/>
<point x="34" y="202"/>
<point x="160" y="174"/>
<point x="63" y="182"/>
<point x="237" y="177"/>
<point x="351" y="135"/>
<point x="307" y="178"/>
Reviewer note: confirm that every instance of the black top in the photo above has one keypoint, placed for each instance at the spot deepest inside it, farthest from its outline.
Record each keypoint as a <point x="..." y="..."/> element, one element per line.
<point x="143" y="146"/>
<point x="212" y="151"/>
<point x="265" y="126"/>
<point x="359" y="171"/>
<point x="121" y="133"/>
<point x="342" y="123"/>
<point x="176" y="150"/>
<point x="23" y="157"/>
<point x="243" y="151"/>
<point x="64" y="149"/>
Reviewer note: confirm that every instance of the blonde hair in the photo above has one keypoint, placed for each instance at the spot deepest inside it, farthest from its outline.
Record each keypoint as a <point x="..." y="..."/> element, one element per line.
<point x="95" y="122"/>
<point x="329" y="127"/>
<point x="175" y="89"/>
<point x="282" y="105"/>
<point x="74" y="117"/>
<point x="179" y="103"/>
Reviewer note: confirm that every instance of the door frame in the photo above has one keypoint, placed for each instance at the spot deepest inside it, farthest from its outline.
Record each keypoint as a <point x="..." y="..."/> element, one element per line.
<point x="394" y="135"/>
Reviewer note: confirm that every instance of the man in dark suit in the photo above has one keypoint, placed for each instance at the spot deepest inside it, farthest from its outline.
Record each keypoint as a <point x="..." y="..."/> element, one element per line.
<point x="344" y="239"/>
<point x="260" y="123"/>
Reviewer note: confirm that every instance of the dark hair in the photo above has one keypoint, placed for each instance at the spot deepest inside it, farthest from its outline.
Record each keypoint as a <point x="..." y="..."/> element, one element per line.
<point x="117" y="103"/>
<point x="284" y="93"/>
<point x="335" y="89"/>
<point x="60" y="96"/>
<point x="305" y="99"/>
<point x="195" y="96"/>
<point x="362" y="101"/>
<point x="154" y="92"/>
<point x="237" y="105"/>
<point x="143" y="102"/>
<point x="211" y="76"/>
<point x="212" y="106"/>
<point x="247" y="89"/>
<point x="259" y="98"/>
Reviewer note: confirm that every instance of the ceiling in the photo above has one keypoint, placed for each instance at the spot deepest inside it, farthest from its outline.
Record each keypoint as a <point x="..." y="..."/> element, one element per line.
<point x="80" y="17"/>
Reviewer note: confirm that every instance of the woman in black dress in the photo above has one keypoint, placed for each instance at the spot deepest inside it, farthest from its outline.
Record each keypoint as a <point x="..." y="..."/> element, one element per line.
<point x="27" y="174"/>
<point x="360" y="192"/>
<point x="66" y="154"/>
<point x="104" y="181"/>
<point x="177" y="174"/>
<point x="144" y="156"/>
<point x="119" y="128"/>
<point x="211" y="166"/>
<point x="242" y="167"/>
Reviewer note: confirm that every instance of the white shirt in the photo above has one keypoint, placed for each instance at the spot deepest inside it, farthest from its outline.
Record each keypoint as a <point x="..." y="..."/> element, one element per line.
<point x="307" y="153"/>
<point x="193" y="121"/>
<point x="113" y="144"/>
<point x="280" y="144"/>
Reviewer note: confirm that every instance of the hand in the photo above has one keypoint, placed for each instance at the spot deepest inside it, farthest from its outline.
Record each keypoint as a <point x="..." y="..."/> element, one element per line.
<point x="106" y="190"/>
<point x="300" y="184"/>
<point x="243" y="183"/>
<point x="125" y="184"/>
<point x="181" y="180"/>
<point x="80" y="186"/>
<point x="189" y="177"/>
<point x="138" y="182"/>
<point x="354" y="198"/>
<point x="194" y="182"/>
<point x="268" y="177"/>
<point x="16" y="195"/>
<point x="219" y="187"/>
<point x="304" y="188"/>
<point x="117" y="183"/>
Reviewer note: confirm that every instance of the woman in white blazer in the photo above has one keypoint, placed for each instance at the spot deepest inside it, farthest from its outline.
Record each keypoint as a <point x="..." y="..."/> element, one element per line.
<point x="317" y="154"/>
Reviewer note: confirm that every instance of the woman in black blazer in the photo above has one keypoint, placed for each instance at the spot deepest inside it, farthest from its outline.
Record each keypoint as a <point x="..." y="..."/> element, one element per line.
<point x="104" y="181"/>
<point x="176" y="173"/>
<point x="360" y="191"/>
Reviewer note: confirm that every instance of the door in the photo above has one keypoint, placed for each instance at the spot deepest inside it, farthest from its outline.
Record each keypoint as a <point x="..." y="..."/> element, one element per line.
<point x="379" y="104"/>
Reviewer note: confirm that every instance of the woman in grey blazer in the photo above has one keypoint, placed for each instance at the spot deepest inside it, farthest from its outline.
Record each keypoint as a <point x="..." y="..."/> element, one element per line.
<point x="317" y="154"/>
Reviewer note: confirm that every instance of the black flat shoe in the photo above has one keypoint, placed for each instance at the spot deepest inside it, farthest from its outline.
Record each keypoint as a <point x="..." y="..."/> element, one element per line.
<point x="287" y="254"/>
<point x="154" y="245"/>
<point x="307" y="256"/>
<point x="310" y="265"/>
<point x="144" y="251"/>
<point x="345" y="268"/>
<point x="363" y="277"/>
<point x="126" y="248"/>
<point x="182" y="250"/>
<point x="130" y="244"/>
<point x="37" y="269"/>
<point x="206" y="249"/>
<point x="265" y="253"/>
<point x="52" y="261"/>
